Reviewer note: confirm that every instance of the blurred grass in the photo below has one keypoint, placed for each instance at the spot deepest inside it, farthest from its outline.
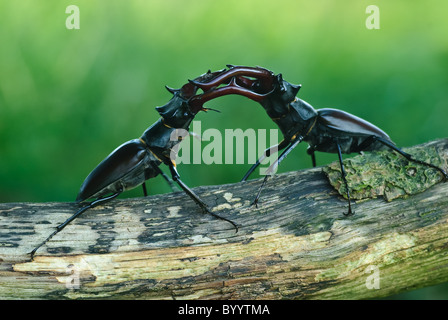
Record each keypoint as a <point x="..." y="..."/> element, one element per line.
<point x="69" y="97"/>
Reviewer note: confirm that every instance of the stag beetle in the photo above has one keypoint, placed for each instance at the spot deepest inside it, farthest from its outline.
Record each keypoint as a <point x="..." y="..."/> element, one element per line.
<point x="138" y="160"/>
<point x="326" y="130"/>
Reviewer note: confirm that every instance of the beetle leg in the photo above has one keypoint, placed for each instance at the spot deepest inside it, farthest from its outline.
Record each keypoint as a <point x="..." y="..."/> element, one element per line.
<point x="145" y="192"/>
<point x="267" y="153"/>
<point x="410" y="158"/>
<point x="311" y="152"/>
<point x="193" y="195"/>
<point x="148" y="175"/>
<point x="273" y="168"/>
<point x="170" y="182"/>
<point x="350" y="212"/>
<point x="73" y="217"/>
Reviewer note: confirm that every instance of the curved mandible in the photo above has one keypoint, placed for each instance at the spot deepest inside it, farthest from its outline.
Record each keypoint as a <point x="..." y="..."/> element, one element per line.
<point x="238" y="83"/>
<point x="265" y="76"/>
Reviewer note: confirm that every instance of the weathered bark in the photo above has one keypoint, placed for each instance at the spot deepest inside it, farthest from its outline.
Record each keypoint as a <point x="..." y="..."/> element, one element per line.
<point x="296" y="245"/>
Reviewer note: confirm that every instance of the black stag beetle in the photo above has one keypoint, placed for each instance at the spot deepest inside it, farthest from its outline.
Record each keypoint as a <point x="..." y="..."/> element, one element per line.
<point x="138" y="160"/>
<point x="326" y="130"/>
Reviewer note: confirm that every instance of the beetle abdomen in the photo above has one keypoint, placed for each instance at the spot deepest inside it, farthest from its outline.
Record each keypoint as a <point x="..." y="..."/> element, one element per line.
<point x="348" y="123"/>
<point x="351" y="133"/>
<point x="116" y="171"/>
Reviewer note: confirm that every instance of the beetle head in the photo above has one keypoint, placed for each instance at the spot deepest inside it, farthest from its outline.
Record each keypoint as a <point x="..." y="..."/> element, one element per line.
<point x="284" y="90"/>
<point x="277" y="102"/>
<point x="289" y="90"/>
<point x="178" y="112"/>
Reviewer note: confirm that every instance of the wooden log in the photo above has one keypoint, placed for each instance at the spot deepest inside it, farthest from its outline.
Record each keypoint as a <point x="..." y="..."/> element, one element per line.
<point x="296" y="245"/>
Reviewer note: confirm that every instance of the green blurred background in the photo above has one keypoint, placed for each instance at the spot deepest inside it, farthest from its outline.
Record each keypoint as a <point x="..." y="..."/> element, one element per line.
<point x="69" y="97"/>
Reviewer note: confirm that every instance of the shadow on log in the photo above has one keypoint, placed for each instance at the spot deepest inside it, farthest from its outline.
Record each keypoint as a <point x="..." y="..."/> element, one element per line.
<point x="296" y="245"/>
